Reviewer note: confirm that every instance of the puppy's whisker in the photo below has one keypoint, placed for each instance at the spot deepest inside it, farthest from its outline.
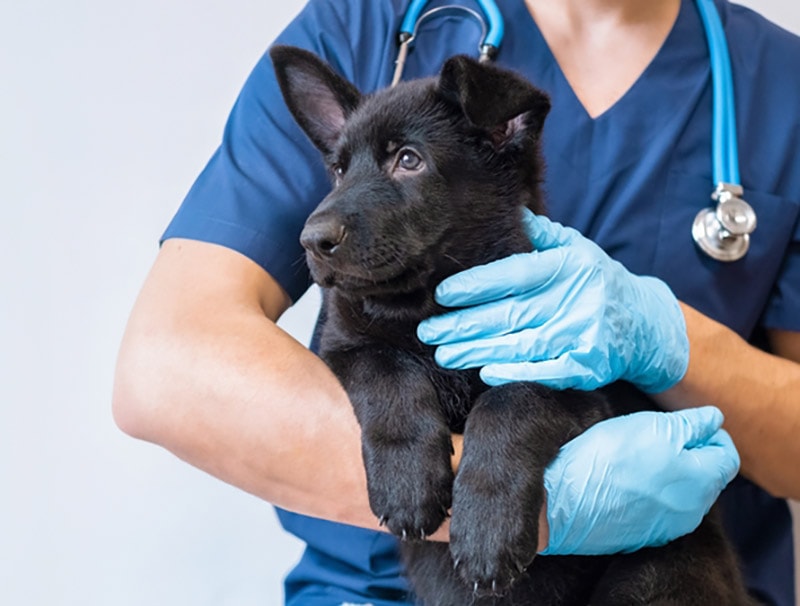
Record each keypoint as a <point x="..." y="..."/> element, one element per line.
<point x="299" y="261"/>
<point x="454" y="260"/>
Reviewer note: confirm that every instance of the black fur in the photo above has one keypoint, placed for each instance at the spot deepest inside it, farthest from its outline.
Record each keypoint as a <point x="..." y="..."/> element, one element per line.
<point x="430" y="178"/>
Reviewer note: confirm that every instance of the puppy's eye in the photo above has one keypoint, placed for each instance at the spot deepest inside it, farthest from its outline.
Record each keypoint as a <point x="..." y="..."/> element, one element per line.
<point x="409" y="160"/>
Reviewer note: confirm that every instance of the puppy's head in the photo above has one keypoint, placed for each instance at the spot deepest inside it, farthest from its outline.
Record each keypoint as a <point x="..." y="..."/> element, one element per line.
<point x="428" y="177"/>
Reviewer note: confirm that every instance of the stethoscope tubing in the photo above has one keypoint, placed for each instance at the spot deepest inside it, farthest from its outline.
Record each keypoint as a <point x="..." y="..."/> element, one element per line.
<point x="496" y="25"/>
<point x="725" y="167"/>
<point x="725" y="153"/>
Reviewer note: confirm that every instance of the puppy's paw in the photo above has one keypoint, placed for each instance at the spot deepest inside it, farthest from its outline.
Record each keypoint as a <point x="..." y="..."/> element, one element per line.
<point x="493" y="532"/>
<point x="410" y="491"/>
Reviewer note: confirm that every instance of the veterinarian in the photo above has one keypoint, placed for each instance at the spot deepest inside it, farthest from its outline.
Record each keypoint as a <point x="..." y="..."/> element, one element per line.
<point x="205" y="372"/>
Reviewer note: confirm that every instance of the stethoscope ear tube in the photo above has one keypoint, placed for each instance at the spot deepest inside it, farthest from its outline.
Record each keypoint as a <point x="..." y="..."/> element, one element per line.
<point x="723" y="233"/>
<point x="492" y="29"/>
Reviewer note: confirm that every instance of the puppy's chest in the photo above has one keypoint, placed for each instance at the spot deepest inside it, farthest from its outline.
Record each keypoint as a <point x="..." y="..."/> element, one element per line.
<point x="456" y="390"/>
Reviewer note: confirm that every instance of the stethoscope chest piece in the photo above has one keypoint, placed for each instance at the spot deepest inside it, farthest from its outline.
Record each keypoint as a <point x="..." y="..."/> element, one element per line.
<point x="723" y="233"/>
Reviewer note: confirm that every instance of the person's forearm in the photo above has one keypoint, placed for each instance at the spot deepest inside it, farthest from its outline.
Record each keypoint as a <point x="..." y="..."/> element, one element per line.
<point x="759" y="394"/>
<point x="279" y="426"/>
<point x="203" y="372"/>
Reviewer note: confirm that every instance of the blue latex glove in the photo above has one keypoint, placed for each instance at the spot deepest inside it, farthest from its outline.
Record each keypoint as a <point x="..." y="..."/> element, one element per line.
<point x="566" y="315"/>
<point x="637" y="481"/>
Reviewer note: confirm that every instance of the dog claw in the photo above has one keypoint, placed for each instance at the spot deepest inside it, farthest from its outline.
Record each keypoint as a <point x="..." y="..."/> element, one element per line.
<point x="422" y="535"/>
<point x="405" y="535"/>
<point x="382" y="521"/>
<point x="456" y="563"/>
<point x="494" y="586"/>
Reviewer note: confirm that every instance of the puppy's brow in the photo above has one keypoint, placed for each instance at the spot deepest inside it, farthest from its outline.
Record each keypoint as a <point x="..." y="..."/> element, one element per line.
<point x="341" y="156"/>
<point x="392" y="146"/>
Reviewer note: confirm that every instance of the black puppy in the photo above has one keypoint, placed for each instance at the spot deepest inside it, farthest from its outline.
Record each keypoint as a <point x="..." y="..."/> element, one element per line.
<point x="430" y="178"/>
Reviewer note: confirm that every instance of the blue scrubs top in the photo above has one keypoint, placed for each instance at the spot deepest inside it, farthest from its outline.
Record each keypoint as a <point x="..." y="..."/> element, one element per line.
<point x="631" y="179"/>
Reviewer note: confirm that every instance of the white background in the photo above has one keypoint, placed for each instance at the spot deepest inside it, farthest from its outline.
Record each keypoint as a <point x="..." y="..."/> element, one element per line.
<point x="108" y="110"/>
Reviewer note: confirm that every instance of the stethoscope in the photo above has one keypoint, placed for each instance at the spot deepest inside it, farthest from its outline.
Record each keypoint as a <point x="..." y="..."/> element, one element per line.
<point x="723" y="231"/>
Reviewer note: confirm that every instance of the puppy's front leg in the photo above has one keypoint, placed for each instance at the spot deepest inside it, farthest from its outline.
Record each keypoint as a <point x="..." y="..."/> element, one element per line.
<point x="512" y="434"/>
<point x="406" y="442"/>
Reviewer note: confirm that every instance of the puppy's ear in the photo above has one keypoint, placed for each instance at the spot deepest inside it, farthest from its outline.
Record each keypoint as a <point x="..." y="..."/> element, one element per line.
<point x="502" y="102"/>
<point x="319" y="98"/>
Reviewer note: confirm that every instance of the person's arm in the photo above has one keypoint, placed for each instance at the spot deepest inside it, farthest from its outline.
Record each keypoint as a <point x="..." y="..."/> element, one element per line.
<point x="204" y="371"/>
<point x="568" y="316"/>
<point x="759" y="394"/>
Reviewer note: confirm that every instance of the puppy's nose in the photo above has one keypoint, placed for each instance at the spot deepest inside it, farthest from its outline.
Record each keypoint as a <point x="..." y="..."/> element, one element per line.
<point x="322" y="238"/>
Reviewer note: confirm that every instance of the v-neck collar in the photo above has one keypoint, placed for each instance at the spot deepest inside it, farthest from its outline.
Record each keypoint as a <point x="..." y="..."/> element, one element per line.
<point x="549" y="75"/>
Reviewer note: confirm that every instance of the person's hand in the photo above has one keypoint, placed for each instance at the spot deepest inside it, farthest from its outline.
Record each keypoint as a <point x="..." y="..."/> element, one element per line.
<point x="565" y="315"/>
<point x="637" y="481"/>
